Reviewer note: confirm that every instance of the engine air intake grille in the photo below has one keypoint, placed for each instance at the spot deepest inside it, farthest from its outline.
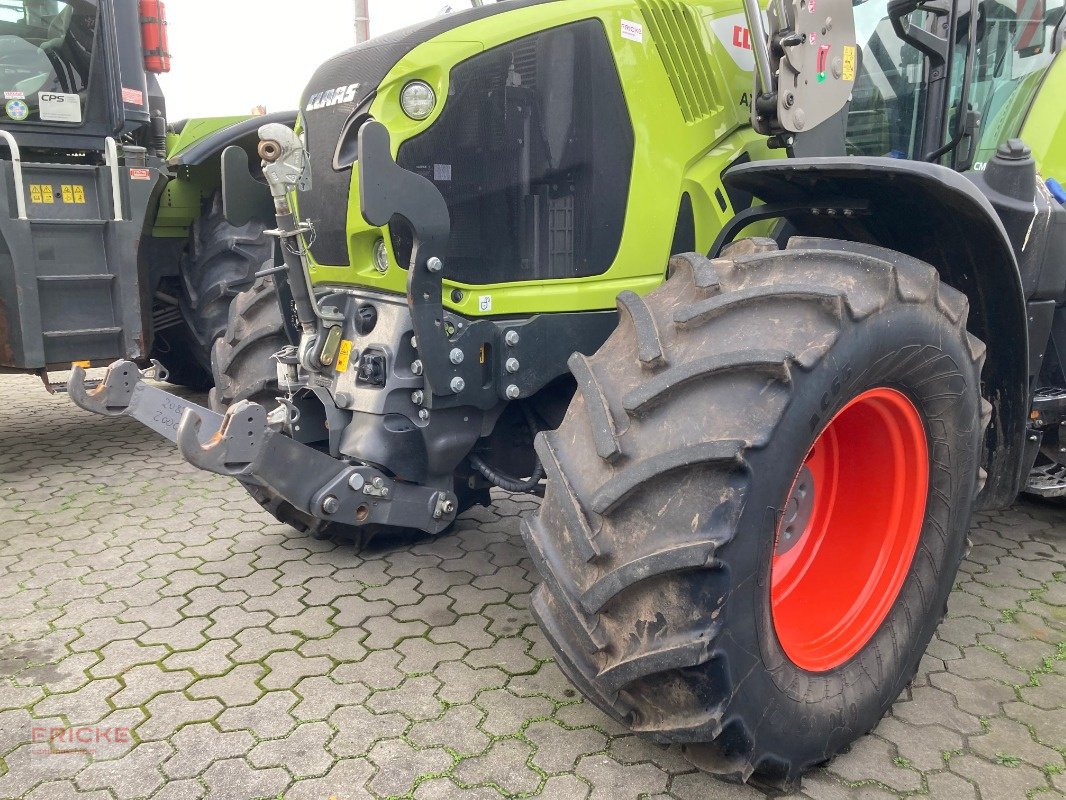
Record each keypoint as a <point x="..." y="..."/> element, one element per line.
<point x="678" y="35"/>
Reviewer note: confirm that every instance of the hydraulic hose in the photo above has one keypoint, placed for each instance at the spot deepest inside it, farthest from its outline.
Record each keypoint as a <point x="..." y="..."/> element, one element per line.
<point x="504" y="481"/>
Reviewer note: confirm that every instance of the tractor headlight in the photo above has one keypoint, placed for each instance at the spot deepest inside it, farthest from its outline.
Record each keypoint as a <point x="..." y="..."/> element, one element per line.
<point x="418" y="99"/>
<point x="381" y="256"/>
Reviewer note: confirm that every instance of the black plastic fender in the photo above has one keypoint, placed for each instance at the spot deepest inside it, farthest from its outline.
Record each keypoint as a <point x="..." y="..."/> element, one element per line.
<point x="935" y="214"/>
<point x="214" y="143"/>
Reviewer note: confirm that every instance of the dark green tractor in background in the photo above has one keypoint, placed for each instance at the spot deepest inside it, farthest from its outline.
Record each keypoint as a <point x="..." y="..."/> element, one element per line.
<point x="512" y="258"/>
<point x="115" y="243"/>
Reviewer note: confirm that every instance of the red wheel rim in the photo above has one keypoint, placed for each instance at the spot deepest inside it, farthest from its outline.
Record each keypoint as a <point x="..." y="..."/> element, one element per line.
<point x="849" y="530"/>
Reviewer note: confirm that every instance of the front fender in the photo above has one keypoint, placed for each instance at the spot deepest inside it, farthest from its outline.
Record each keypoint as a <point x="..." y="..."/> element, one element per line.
<point x="933" y="213"/>
<point x="200" y="140"/>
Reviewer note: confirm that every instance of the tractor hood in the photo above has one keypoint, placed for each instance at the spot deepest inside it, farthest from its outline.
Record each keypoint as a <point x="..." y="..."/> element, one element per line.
<point x="336" y="90"/>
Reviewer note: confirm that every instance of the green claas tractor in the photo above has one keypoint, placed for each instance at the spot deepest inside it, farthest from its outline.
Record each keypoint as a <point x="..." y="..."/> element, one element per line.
<point x="115" y="241"/>
<point x="512" y="256"/>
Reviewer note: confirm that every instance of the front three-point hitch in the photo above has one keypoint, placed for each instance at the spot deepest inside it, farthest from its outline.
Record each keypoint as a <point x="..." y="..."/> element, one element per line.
<point x="255" y="447"/>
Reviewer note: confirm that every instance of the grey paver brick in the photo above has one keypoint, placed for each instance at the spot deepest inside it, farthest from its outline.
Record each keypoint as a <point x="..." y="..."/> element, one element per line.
<point x="559" y="749"/>
<point x="346" y="780"/>
<point x="998" y="780"/>
<point x="266" y="718"/>
<point x="237" y="687"/>
<point x="358" y="729"/>
<point x="197" y="746"/>
<point x="321" y="695"/>
<point x="611" y="781"/>
<point x="874" y="758"/>
<point x="137" y="774"/>
<point x="506" y="713"/>
<point x="414" y="698"/>
<point x="303" y="752"/>
<point x="504" y="764"/>
<point x="447" y="789"/>
<point x="456" y="729"/>
<point x="400" y="766"/>
<point x="234" y="779"/>
<point x="950" y="785"/>
<point x="170" y="711"/>
<point x="1005" y="739"/>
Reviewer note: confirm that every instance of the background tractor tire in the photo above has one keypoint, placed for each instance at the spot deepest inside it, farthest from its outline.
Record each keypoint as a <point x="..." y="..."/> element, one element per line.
<point x="242" y="360"/>
<point x="220" y="261"/>
<point x="671" y="485"/>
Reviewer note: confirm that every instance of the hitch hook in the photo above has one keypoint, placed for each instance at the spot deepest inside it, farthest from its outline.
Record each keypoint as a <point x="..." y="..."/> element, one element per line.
<point x="112" y="397"/>
<point x="236" y="446"/>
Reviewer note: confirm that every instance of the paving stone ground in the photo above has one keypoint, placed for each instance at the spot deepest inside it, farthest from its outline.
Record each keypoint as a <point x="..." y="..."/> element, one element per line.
<point x="224" y="655"/>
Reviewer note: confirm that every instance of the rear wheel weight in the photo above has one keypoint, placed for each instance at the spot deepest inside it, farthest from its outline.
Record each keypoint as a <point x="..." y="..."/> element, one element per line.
<point x="676" y="600"/>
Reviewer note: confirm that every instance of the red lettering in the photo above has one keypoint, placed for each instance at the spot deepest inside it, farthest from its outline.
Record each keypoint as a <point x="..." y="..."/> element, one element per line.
<point x="741" y="37"/>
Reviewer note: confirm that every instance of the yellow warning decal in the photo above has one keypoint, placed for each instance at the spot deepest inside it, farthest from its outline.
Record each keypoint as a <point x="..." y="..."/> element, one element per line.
<point x="343" y="356"/>
<point x="82" y="364"/>
<point x="848" y="71"/>
<point x="41" y="193"/>
<point x="73" y="193"/>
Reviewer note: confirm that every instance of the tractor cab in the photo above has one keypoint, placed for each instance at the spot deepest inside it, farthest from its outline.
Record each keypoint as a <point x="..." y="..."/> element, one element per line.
<point x="924" y="94"/>
<point x="73" y="72"/>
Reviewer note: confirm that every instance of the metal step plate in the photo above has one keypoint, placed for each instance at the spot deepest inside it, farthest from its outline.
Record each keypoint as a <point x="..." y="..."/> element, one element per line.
<point x="1047" y="480"/>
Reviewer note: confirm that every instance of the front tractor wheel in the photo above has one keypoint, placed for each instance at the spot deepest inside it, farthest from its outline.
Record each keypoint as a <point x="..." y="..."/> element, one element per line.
<point x="759" y="499"/>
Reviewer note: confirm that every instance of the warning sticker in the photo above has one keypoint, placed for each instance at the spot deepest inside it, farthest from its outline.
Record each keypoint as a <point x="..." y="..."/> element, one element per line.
<point x="848" y="70"/>
<point x="58" y="107"/>
<point x="134" y="97"/>
<point x="484" y="302"/>
<point x="442" y="172"/>
<point x="633" y="31"/>
<point x="140" y="174"/>
<point x="14" y="95"/>
<point x="42" y="193"/>
<point x="73" y="193"/>
<point x="344" y="355"/>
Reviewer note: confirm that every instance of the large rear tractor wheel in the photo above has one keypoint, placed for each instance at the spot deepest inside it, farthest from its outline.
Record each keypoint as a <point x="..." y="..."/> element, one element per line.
<point x="220" y="261"/>
<point x="759" y="499"/>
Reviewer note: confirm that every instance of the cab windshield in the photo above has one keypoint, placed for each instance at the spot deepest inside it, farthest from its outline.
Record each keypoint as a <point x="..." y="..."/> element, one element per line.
<point x="1014" y="48"/>
<point x="45" y="57"/>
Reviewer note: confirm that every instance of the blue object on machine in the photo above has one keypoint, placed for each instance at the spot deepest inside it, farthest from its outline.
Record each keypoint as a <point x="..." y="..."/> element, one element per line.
<point x="1056" y="189"/>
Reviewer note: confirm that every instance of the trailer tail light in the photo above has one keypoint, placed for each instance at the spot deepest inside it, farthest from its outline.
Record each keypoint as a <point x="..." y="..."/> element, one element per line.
<point x="154" y="36"/>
